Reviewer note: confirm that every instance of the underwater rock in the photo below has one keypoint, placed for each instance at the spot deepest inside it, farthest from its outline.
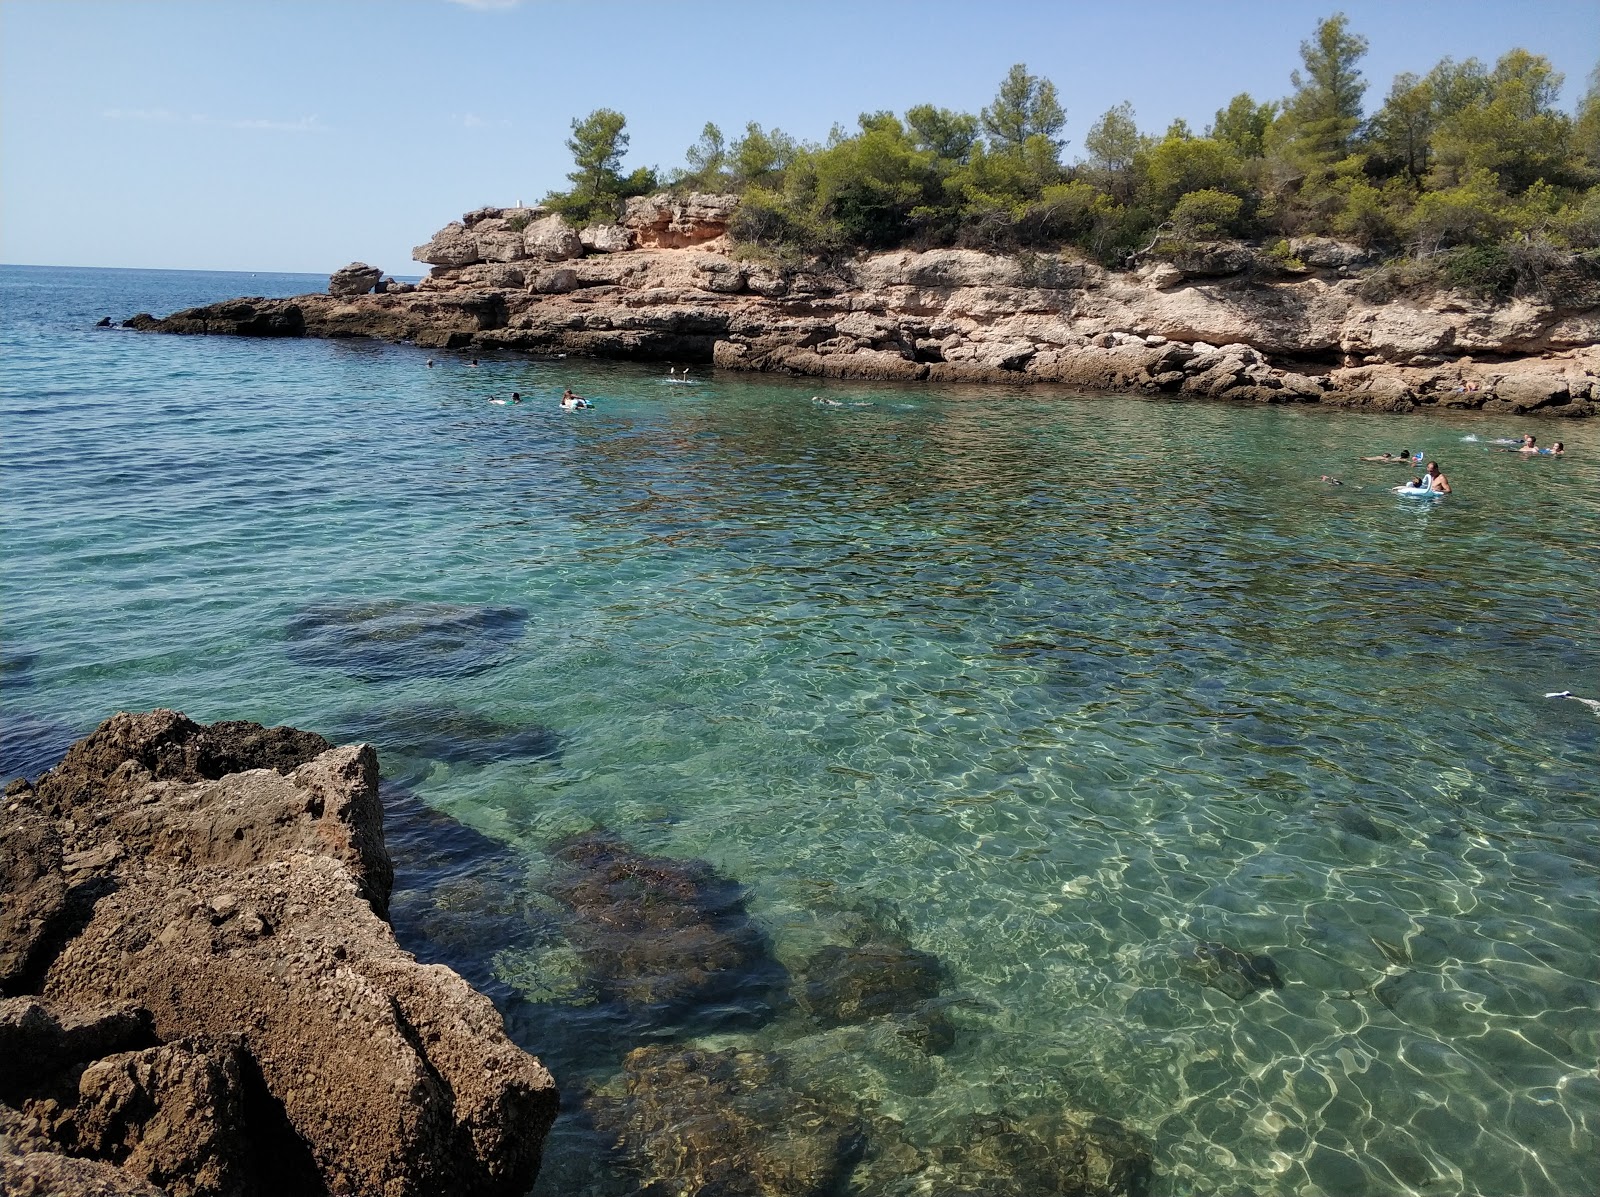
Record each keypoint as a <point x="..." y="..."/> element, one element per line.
<point x="852" y="984"/>
<point x="726" y="1123"/>
<point x="460" y="897"/>
<point x="1230" y="971"/>
<point x="441" y="732"/>
<point x="1068" y="1154"/>
<point x="665" y="938"/>
<point x="377" y="640"/>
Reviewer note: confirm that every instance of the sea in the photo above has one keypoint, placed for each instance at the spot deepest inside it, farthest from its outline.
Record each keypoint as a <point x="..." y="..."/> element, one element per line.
<point x="1090" y="698"/>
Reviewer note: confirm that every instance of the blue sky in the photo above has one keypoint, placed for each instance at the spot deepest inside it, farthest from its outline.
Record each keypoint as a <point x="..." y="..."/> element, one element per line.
<point x="297" y="135"/>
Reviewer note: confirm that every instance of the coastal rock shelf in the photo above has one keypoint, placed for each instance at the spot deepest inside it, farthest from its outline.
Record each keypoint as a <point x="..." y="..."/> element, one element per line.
<point x="199" y="993"/>
<point x="665" y="285"/>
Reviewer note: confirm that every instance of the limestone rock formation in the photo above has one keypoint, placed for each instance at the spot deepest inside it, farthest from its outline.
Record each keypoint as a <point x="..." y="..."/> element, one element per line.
<point x="551" y="239"/>
<point x="355" y="279"/>
<point x="606" y="238"/>
<point x="204" y="992"/>
<point x="663" y="222"/>
<point x="663" y="285"/>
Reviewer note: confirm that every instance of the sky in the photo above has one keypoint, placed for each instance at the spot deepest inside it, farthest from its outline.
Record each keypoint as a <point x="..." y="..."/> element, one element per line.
<point x="299" y="135"/>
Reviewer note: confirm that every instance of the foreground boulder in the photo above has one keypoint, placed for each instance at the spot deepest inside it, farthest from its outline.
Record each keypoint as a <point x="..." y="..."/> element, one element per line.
<point x="205" y="994"/>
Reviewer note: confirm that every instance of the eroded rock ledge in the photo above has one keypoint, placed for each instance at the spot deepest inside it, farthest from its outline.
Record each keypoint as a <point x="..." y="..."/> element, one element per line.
<point x="199" y="993"/>
<point x="665" y="284"/>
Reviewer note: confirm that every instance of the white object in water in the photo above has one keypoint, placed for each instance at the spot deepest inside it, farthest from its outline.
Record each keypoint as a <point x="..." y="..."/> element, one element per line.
<point x="1592" y="703"/>
<point x="1471" y="436"/>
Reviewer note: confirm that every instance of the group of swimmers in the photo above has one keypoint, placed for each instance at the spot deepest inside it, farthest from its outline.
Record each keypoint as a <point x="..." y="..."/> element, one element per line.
<point x="1530" y="445"/>
<point x="1432" y="480"/>
<point x="568" y="401"/>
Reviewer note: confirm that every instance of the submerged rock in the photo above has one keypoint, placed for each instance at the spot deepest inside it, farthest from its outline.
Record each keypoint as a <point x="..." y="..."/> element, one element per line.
<point x="852" y="984"/>
<point x="389" y="639"/>
<point x="665" y="938"/>
<point x="1229" y="970"/>
<point x="441" y="732"/>
<point x="215" y="891"/>
<point x="1071" y="1154"/>
<point x="703" y="1122"/>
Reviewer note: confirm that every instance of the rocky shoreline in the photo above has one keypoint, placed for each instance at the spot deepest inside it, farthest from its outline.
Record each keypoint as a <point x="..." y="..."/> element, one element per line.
<point x="1220" y="321"/>
<point x="200" y="993"/>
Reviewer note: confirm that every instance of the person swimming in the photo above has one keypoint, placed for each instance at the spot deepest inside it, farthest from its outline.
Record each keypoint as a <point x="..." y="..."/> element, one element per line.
<point x="516" y="398"/>
<point x="1555" y="450"/>
<point x="1390" y="458"/>
<point x="1331" y="480"/>
<point x="571" y="401"/>
<point x="1436" y="481"/>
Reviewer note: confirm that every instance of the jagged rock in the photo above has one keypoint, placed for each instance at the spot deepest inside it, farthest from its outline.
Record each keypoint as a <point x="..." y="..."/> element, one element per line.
<point x="355" y="279"/>
<point x="1213" y="259"/>
<point x="452" y="245"/>
<point x="172" y="1114"/>
<point x="1328" y="253"/>
<point x="244" y="873"/>
<point x="703" y="1122"/>
<point x="46" y="1174"/>
<point x="37" y="1040"/>
<point x="946" y="315"/>
<point x="606" y="238"/>
<point x="663" y="222"/>
<point x="551" y="239"/>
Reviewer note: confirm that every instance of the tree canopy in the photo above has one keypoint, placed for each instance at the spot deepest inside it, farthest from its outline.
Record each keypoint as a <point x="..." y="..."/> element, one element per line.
<point x="1457" y="157"/>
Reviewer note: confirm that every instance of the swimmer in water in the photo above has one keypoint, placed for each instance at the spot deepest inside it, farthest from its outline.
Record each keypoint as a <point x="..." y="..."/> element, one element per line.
<point x="1390" y="458"/>
<point x="1436" y="481"/>
<point x="1556" y="450"/>
<point x="1331" y="481"/>
<point x="430" y="363"/>
<point x="1414" y="484"/>
<point x="516" y="398"/>
<point x="571" y="401"/>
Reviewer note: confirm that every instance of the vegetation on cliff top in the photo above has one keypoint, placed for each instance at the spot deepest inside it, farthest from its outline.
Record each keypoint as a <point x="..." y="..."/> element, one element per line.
<point x="1468" y="171"/>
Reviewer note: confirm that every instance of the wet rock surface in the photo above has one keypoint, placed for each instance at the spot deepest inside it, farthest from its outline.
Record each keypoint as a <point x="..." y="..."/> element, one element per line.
<point x="203" y="992"/>
<point x="391" y="639"/>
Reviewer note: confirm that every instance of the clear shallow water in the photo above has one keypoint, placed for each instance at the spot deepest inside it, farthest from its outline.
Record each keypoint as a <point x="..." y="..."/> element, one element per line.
<point x="1067" y="683"/>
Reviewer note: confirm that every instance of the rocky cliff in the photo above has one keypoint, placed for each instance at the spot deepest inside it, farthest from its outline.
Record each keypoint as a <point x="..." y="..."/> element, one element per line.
<point x="199" y="994"/>
<point x="1220" y="321"/>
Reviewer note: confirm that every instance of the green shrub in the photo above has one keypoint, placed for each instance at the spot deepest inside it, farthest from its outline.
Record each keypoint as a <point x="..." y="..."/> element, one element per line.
<point x="1207" y="213"/>
<point x="1485" y="271"/>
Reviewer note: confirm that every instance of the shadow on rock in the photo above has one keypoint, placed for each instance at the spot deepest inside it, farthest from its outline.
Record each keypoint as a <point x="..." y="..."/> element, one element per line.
<point x="667" y="940"/>
<point x="377" y="640"/>
<point x="460" y="898"/>
<point x="407" y="737"/>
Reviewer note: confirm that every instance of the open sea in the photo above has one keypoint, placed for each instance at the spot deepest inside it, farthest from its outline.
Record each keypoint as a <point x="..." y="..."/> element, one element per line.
<point x="1064" y="688"/>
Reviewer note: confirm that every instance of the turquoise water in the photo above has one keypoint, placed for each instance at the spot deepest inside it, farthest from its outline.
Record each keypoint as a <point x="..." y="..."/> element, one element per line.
<point x="1068" y="683"/>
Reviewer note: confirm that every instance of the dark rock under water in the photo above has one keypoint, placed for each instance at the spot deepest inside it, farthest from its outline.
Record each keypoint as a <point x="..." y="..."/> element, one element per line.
<point x="1229" y="970"/>
<point x="377" y="640"/>
<point x="406" y="737"/>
